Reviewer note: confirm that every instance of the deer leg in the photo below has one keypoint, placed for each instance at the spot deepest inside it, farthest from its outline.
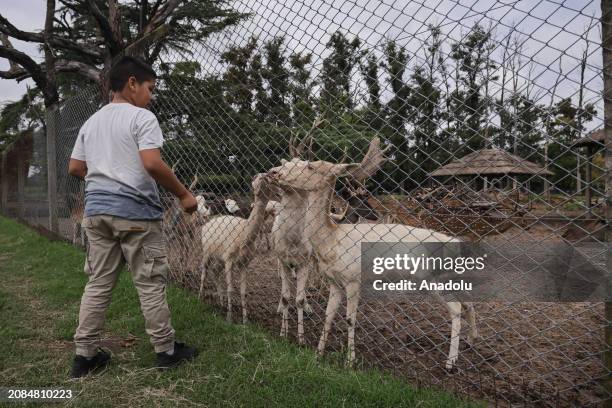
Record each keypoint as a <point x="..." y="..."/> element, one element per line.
<point x="230" y="288"/>
<point x="283" y="304"/>
<point x="243" y="287"/>
<point x="335" y="296"/>
<point x="214" y="267"/>
<point x="202" y="277"/>
<point x="306" y="268"/>
<point x="352" y="301"/>
<point x="219" y="286"/>
<point x="300" y="299"/>
<point x="471" y="318"/>
<point x="454" y="308"/>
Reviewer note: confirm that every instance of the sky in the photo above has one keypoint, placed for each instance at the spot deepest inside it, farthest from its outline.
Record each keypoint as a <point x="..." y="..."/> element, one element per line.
<point x="553" y="33"/>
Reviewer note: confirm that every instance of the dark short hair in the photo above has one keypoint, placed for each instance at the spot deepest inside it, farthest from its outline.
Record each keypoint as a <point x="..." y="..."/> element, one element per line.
<point x="126" y="67"/>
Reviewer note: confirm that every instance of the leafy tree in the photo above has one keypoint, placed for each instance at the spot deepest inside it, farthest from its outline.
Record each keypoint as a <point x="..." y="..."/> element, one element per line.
<point x="335" y="96"/>
<point x="277" y="75"/>
<point x="81" y="39"/>
<point x="242" y="73"/>
<point x="301" y="88"/>
<point x="469" y="107"/>
<point x="369" y="71"/>
<point x="396" y="112"/>
<point x="430" y="141"/>
<point x="566" y="126"/>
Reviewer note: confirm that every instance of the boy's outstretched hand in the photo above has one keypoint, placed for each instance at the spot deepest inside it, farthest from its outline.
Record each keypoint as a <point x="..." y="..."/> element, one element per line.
<point x="188" y="203"/>
<point x="155" y="166"/>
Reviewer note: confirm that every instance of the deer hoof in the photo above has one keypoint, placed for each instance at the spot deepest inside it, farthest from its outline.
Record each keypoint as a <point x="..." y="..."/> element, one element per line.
<point x="450" y="364"/>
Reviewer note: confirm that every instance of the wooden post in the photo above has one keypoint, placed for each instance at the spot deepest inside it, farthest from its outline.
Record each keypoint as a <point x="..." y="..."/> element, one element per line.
<point x="578" y="175"/>
<point x="588" y="178"/>
<point x="20" y="185"/>
<point x="606" y="23"/>
<point x="51" y="127"/>
<point x="4" y="180"/>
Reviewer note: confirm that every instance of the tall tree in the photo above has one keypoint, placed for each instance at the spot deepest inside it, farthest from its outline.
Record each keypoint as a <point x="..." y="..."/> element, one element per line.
<point x="242" y="73"/>
<point x="300" y="88"/>
<point x="82" y="38"/>
<point x="369" y="71"/>
<point x="396" y="112"/>
<point x="563" y="129"/>
<point x="336" y="75"/>
<point x="276" y="74"/>
<point x="469" y="106"/>
<point x="430" y="147"/>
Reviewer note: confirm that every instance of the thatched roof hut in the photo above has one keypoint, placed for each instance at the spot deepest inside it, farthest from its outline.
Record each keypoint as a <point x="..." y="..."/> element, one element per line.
<point x="493" y="162"/>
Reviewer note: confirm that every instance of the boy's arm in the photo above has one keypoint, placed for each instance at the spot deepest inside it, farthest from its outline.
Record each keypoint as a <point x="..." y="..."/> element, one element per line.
<point x="163" y="174"/>
<point x="77" y="168"/>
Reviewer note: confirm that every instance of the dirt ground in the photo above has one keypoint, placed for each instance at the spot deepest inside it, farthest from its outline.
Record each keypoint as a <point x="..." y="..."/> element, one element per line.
<point x="539" y="354"/>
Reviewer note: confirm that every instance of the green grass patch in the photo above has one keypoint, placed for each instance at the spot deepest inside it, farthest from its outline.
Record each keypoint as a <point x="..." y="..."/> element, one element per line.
<point x="238" y="365"/>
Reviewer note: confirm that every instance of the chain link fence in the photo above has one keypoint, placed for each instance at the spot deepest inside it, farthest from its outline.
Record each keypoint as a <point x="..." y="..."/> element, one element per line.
<point x="492" y="117"/>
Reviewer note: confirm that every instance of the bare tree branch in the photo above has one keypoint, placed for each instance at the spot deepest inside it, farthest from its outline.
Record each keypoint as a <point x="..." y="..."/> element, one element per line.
<point x="154" y="30"/>
<point x="4" y="40"/>
<point x="17" y="74"/>
<point x="80" y="68"/>
<point x="35" y="71"/>
<point x="7" y="28"/>
<point x="65" y="66"/>
<point x="160" y="16"/>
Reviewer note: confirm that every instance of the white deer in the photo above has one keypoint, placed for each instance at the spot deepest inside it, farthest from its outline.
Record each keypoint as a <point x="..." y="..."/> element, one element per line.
<point x="337" y="247"/>
<point x="230" y="241"/>
<point x="290" y="247"/>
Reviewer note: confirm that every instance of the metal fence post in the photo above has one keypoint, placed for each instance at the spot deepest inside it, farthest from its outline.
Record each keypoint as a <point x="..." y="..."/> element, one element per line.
<point x="606" y="19"/>
<point x="51" y="117"/>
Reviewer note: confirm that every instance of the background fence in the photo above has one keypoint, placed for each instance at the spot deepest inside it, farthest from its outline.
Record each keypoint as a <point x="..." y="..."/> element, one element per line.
<point x="494" y="116"/>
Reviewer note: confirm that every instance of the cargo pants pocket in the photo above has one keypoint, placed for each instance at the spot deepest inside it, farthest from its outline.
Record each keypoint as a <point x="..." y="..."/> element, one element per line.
<point x="155" y="262"/>
<point x="87" y="223"/>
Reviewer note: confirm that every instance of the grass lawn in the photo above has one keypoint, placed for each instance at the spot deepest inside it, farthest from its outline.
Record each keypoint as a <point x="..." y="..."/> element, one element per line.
<point x="42" y="283"/>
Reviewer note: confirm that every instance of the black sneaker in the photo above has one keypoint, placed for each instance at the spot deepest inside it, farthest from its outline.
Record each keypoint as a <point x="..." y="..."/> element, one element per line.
<point x="182" y="353"/>
<point x="81" y="366"/>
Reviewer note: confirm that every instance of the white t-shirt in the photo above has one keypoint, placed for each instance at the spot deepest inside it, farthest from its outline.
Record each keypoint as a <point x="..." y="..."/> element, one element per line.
<point x="117" y="182"/>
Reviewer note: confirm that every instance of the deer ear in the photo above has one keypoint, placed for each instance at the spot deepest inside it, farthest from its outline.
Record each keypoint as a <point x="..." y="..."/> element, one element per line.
<point x="344" y="169"/>
<point x="283" y="161"/>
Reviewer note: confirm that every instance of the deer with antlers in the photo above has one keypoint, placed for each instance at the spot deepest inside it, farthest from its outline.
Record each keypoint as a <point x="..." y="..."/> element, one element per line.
<point x="229" y="241"/>
<point x="337" y="248"/>
<point x="292" y="251"/>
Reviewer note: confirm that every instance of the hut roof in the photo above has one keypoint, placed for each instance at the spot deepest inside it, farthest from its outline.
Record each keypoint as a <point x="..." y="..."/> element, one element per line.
<point x="489" y="161"/>
<point x="595" y="138"/>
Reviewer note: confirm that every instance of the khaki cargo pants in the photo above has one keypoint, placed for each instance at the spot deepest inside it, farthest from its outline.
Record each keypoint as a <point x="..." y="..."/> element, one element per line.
<point x="113" y="241"/>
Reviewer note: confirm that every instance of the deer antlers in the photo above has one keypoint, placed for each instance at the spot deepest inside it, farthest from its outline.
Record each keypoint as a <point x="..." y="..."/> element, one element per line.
<point x="371" y="162"/>
<point x="195" y="177"/>
<point x="297" y="150"/>
<point x="194" y="182"/>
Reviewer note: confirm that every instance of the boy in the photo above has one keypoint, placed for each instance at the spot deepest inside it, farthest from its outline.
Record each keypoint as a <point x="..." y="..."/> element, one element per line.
<point x="117" y="152"/>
